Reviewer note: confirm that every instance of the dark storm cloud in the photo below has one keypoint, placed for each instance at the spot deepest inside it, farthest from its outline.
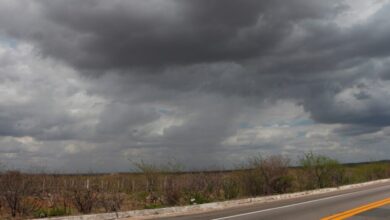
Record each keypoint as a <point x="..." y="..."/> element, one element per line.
<point x="284" y="49"/>
<point x="125" y="34"/>
<point x="184" y="76"/>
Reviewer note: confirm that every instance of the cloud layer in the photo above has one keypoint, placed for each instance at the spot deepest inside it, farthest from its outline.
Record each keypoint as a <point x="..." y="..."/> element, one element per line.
<point x="205" y="83"/>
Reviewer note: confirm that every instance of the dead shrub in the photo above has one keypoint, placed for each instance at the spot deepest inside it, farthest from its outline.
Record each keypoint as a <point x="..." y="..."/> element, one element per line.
<point x="111" y="202"/>
<point x="83" y="196"/>
<point x="171" y="191"/>
<point x="19" y="193"/>
<point x="275" y="173"/>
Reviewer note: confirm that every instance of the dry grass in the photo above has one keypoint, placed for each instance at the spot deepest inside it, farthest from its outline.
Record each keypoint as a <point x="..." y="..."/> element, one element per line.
<point x="41" y="195"/>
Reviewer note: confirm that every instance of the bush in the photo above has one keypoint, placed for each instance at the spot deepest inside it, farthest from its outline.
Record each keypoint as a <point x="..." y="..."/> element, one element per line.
<point x="321" y="171"/>
<point x="250" y="178"/>
<point x="268" y="175"/>
<point x="198" y="198"/>
<point x="111" y="201"/>
<point x="51" y="212"/>
<point x="198" y="189"/>
<point x="83" y="196"/>
<point x="171" y="191"/>
<point x="153" y="206"/>
<point x="151" y="173"/>
<point x="230" y="188"/>
<point x="18" y="193"/>
<point x="274" y="172"/>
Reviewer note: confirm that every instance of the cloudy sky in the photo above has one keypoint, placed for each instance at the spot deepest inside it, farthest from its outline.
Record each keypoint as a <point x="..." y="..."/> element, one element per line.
<point x="89" y="85"/>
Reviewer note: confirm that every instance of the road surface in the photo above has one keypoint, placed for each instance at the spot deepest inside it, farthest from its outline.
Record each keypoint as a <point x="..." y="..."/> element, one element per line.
<point x="309" y="207"/>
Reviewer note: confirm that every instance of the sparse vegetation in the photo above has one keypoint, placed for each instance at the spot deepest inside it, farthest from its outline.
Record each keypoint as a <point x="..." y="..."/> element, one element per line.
<point x="45" y="195"/>
<point x="321" y="171"/>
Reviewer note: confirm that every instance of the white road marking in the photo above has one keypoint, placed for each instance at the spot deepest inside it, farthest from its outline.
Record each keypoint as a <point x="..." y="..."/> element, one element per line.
<point x="296" y="204"/>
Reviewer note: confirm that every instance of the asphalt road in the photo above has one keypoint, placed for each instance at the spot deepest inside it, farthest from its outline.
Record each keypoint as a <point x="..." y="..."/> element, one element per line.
<point x="309" y="207"/>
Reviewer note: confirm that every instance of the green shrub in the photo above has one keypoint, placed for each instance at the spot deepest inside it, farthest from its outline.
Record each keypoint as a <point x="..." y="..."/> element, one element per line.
<point x="251" y="183"/>
<point x="321" y="171"/>
<point x="283" y="184"/>
<point x="153" y="206"/>
<point x="51" y="212"/>
<point x="198" y="198"/>
<point x="230" y="188"/>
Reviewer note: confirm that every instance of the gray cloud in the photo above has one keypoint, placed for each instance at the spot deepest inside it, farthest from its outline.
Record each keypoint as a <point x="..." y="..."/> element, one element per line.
<point x="356" y="130"/>
<point x="126" y="34"/>
<point x="192" y="79"/>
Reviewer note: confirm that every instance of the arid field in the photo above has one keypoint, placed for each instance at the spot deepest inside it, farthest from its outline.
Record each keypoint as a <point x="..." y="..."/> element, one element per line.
<point x="43" y="195"/>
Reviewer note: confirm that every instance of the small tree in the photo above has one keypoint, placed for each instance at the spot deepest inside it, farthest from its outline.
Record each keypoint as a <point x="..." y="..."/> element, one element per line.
<point x="18" y="192"/>
<point x="84" y="195"/>
<point x="322" y="171"/>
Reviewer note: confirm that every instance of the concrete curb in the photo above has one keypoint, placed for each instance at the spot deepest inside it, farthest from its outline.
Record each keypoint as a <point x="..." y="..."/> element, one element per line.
<point x="210" y="206"/>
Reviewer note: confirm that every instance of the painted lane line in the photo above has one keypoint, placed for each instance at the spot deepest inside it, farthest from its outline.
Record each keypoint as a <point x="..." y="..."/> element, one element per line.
<point x="298" y="204"/>
<point x="357" y="210"/>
